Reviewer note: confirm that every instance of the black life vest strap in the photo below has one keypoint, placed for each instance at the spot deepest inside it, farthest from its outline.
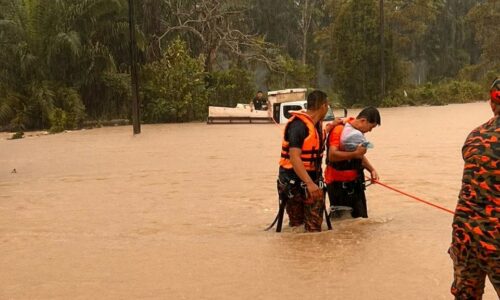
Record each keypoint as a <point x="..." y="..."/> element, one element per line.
<point x="287" y="149"/>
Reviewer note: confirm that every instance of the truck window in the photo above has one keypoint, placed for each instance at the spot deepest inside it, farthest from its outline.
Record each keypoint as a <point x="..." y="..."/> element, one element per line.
<point x="329" y="115"/>
<point x="288" y="108"/>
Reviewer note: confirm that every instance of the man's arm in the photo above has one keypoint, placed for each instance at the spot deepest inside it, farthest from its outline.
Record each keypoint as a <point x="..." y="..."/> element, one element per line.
<point x="298" y="166"/>
<point x="330" y="125"/>
<point x="336" y="155"/>
<point x="366" y="163"/>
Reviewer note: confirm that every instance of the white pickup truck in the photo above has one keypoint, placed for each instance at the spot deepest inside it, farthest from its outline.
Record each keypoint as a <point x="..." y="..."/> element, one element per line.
<point x="280" y="104"/>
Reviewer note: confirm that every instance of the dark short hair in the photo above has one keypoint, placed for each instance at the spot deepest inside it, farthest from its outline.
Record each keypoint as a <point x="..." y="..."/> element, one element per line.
<point x="371" y="114"/>
<point x="315" y="99"/>
<point x="260" y="92"/>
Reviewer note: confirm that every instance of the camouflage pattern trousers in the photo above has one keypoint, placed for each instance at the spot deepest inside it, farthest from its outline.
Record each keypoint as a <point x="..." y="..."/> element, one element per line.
<point x="471" y="264"/>
<point x="301" y="210"/>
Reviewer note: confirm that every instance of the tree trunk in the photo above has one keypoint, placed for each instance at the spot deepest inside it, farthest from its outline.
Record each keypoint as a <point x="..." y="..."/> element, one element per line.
<point x="210" y="59"/>
<point x="305" y="29"/>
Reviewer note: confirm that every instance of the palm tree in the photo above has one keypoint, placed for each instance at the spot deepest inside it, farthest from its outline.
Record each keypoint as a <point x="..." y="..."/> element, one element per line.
<point x="57" y="48"/>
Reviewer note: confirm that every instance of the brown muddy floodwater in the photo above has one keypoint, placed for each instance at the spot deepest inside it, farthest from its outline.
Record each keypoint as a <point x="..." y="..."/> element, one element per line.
<point x="178" y="212"/>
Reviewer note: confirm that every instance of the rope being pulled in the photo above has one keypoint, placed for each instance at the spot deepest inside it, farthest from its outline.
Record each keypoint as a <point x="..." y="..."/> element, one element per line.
<point x="411" y="196"/>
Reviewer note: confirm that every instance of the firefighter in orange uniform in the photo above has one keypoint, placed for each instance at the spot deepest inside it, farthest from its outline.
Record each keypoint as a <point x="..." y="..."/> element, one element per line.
<point x="475" y="246"/>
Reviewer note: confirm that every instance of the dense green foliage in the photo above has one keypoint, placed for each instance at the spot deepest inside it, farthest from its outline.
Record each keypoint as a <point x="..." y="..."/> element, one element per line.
<point x="56" y="62"/>
<point x="436" y="94"/>
<point x="226" y="86"/>
<point x="356" y="55"/>
<point x="66" y="61"/>
<point x="171" y="86"/>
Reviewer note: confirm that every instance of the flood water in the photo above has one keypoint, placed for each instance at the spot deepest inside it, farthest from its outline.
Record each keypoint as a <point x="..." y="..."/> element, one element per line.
<point x="178" y="212"/>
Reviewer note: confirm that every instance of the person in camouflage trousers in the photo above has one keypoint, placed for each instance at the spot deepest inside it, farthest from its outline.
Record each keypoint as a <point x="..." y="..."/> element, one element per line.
<point x="300" y="209"/>
<point x="475" y="247"/>
<point x="300" y="181"/>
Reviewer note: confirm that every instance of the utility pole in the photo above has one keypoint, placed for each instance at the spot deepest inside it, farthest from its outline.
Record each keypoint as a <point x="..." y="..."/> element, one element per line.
<point x="133" y="69"/>
<point x="382" y="48"/>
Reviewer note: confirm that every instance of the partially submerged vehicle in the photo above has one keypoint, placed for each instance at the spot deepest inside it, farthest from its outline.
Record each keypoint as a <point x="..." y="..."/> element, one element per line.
<point x="280" y="104"/>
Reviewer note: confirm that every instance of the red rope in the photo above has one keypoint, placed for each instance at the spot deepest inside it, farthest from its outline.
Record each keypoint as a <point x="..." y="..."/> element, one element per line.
<point x="413" y="197"/>
<point x="396" y="190"/>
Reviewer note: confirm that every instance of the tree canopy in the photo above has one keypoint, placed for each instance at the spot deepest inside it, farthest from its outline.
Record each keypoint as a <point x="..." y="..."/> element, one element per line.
<point x="66" y="61"/>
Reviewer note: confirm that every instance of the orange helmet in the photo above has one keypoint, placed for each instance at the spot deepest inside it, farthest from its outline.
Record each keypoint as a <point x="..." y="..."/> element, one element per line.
<point x="495" y="91"/>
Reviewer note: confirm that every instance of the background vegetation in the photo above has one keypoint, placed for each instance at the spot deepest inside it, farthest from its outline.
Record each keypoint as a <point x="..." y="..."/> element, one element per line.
<point x="66" y="61"/>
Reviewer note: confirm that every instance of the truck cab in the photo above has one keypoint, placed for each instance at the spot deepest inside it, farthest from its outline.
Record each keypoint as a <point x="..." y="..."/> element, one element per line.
<point x="282" y="111"/>
<point x="280" y="104"/>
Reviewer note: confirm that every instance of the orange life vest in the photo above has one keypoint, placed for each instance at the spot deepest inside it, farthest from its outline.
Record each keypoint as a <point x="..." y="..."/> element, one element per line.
<point x="341" y="171"/>
<point x="312" y="149"/>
